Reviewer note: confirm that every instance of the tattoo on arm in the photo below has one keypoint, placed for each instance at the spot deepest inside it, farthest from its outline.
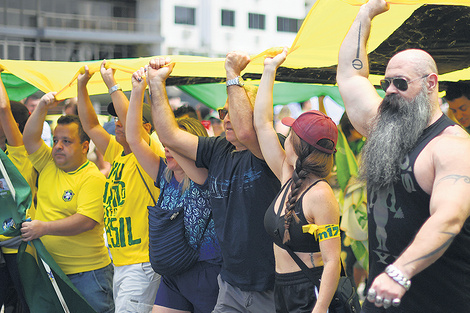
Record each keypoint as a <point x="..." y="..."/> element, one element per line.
<point x="432" y="253"/>
<point x="357" y="63"/>
<point x="456" y="178"/>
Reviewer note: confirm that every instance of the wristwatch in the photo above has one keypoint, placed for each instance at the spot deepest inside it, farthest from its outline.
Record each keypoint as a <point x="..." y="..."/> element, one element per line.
<point x="237" y="81"/>
<point x="114" y="88"/>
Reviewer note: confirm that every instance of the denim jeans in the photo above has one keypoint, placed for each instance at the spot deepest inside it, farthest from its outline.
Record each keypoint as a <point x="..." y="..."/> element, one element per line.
<point x="96" y="287"/>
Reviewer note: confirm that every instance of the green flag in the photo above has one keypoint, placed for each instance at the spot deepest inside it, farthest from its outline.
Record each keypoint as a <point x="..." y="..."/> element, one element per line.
<point x="47" y="289"/>
<point x="15" y="197"/>
<point x="346" y="163"/>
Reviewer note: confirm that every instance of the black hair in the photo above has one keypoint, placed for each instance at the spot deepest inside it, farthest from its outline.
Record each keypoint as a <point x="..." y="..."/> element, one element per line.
<point x="185" y="109"/>
<point x="69" y="119"/>
<point x="457" y="90"/>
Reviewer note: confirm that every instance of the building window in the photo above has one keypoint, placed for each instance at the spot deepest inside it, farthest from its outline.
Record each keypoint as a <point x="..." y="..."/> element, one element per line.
<point x="290" y="25"/>
<point x="256" y="21"/>
<point x="185" y="15"/>
<point x="228" y="18"/>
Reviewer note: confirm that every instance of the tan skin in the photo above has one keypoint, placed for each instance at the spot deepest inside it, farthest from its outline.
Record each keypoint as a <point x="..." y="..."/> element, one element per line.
<point x="319" y="203"/>
<point x="68" y="154"/>
<point x="238" y="126"/>
<point x="460" y="107"/>
<point x="441" y="169"/>
<point x="150" y="162"/>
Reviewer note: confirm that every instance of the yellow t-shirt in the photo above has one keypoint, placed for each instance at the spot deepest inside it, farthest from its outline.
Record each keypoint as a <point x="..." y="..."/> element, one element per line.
<point x="125" y="202"/>
<point x="19" y="157"/>
<point x="62" y="194"/>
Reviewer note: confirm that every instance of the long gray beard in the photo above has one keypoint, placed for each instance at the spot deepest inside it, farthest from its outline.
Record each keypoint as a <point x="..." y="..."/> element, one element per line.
<point x="395" y="131"/>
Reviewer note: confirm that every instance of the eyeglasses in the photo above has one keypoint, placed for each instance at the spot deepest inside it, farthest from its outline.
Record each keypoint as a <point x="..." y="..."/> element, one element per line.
<point x="400" y="82"/>
<point x="222" y="113"/>
<point x="116" y="119"/>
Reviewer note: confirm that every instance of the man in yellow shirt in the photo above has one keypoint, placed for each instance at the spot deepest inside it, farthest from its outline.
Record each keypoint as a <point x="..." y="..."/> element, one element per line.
<point x="69" y="213"/>
<point x="128" y="192"/>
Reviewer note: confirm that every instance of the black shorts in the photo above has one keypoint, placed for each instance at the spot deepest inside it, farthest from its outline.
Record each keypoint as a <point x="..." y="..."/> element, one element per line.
<point x="295" y="293"/>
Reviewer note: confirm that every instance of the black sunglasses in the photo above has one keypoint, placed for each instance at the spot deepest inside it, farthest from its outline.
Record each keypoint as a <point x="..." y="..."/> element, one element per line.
<point x="399" y="82"/>
<point x="222" y="113"/>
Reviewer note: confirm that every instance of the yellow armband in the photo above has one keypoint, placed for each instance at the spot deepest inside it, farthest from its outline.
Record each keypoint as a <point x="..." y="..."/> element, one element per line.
<point x="322" y="232"/>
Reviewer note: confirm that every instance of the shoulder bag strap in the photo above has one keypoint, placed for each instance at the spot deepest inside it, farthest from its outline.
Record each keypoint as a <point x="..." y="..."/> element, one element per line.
<point x="150" y="193"/>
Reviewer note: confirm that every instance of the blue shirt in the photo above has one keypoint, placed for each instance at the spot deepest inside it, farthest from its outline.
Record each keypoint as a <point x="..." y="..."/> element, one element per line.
<point x="197" y="209"/>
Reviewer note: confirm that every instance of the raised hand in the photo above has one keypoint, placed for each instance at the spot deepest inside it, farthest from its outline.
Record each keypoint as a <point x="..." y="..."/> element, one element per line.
<point x="276" y="61"/>
<point x="376" y="7"/>
<point x="48" y="100"/>
<point x="83" y="79"/>
<point x="159" y="69"/>
<point x="235" y="63"/>
<point x="107" y="74"/>
<point x="139" y="78"/>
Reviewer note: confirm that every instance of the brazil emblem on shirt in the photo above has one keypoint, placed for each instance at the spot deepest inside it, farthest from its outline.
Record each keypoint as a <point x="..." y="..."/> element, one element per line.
<point x="68" y="195"/>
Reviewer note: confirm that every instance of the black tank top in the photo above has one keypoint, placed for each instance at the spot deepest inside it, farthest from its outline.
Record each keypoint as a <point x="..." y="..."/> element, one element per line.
<point x="396" y="214"/>
<point x="274" y="224"/>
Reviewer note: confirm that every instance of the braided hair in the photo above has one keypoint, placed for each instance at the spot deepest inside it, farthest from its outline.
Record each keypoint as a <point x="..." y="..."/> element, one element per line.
<point x="309" y="161"/>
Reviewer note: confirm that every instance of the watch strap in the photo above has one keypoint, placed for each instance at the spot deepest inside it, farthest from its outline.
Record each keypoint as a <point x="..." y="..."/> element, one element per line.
<point x="114" y="88"/>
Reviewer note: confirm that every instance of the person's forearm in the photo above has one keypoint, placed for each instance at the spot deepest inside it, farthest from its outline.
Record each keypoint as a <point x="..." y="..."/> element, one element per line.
<point x="33" y="129"/>
<point x="162" y="115"/>
<point x="328" y="285"/>
<point x="7" y="120"/>
<point x="353" y="51"/>
<point x="86" y="112"/>
<point x="263" y="112"/>
<point x="134" y="130"/>
<point x="430" y="243"/>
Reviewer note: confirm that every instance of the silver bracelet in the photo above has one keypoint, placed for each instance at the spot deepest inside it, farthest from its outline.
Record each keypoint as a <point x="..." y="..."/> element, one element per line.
<point x="395" y="274"/>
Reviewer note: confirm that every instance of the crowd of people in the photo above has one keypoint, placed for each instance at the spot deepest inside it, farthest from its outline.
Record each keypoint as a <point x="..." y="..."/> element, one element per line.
<point x="259" y="210"/>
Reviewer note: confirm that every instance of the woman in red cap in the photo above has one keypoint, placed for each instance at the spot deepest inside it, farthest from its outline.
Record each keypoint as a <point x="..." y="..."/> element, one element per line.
<point x="304" y="216"/>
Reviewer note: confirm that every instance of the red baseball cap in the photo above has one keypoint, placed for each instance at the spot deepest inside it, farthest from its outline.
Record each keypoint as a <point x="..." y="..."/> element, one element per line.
<point x="312" y="126"/>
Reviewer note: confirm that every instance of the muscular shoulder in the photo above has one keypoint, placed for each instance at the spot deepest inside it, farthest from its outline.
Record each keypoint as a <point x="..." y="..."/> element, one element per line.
<point x="448" y="152"/>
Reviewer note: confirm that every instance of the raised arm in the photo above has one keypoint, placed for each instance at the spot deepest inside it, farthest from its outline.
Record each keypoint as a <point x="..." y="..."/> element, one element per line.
<point x="271" y="148"/>
<point x="7" y="121"/>
<point x="239" y="105"/>
<point x="449" y="209"/>
<point x="33" y="128"/>
<point x="359" y="95"/>
<point x="120" y="101"/>
<point x="87" y="114"/>
<point x="164" y="120"/>
<point x="136" y="137"/>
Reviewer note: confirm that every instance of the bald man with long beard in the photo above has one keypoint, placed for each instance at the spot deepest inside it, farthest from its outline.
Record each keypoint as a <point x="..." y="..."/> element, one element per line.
<point x="416" y="166"/>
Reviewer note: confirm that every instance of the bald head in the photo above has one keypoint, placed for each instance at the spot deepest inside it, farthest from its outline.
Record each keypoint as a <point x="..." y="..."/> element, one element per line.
<point x="419" y="61"/>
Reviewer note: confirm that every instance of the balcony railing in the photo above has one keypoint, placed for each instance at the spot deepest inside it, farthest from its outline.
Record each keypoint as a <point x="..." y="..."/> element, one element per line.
<point x="35" y="19"/>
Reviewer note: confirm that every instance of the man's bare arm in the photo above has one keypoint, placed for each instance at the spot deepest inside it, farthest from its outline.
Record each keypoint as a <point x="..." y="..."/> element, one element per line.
<point x="87" y="114"/>
<point x="240" y="107"/>
<point x="164" y="121"/>
<point x="7" y="121"/>
<point x="449" y="209"/>
<point x="33" y="128"/>
<point x="359" y="95"/>
<point x="69" y="226"/>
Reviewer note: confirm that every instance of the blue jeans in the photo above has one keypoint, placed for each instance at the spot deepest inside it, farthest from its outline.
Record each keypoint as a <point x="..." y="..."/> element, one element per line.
<point x="96" y="287"/>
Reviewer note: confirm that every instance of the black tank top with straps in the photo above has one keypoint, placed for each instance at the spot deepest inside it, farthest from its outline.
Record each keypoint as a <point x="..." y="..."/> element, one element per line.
<point x="274" y="223"/>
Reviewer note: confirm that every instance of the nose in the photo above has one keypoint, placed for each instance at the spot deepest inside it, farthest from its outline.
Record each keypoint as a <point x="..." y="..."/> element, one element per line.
<point x="58" y="145"/>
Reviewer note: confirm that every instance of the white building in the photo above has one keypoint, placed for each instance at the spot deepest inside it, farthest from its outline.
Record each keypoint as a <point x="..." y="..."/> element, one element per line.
<point x="78" y="30"/>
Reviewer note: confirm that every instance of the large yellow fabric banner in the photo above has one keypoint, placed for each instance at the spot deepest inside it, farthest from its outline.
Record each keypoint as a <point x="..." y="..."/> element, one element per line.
<point x="315" y="46"/>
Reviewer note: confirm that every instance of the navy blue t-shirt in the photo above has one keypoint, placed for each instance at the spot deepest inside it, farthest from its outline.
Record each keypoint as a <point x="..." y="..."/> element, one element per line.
<point x="241" y="188"/>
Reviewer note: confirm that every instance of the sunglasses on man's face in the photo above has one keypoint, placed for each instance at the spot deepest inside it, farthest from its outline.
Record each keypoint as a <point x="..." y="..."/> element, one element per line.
<point x="222" y="113"/>
<point x="400" y="83"/>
